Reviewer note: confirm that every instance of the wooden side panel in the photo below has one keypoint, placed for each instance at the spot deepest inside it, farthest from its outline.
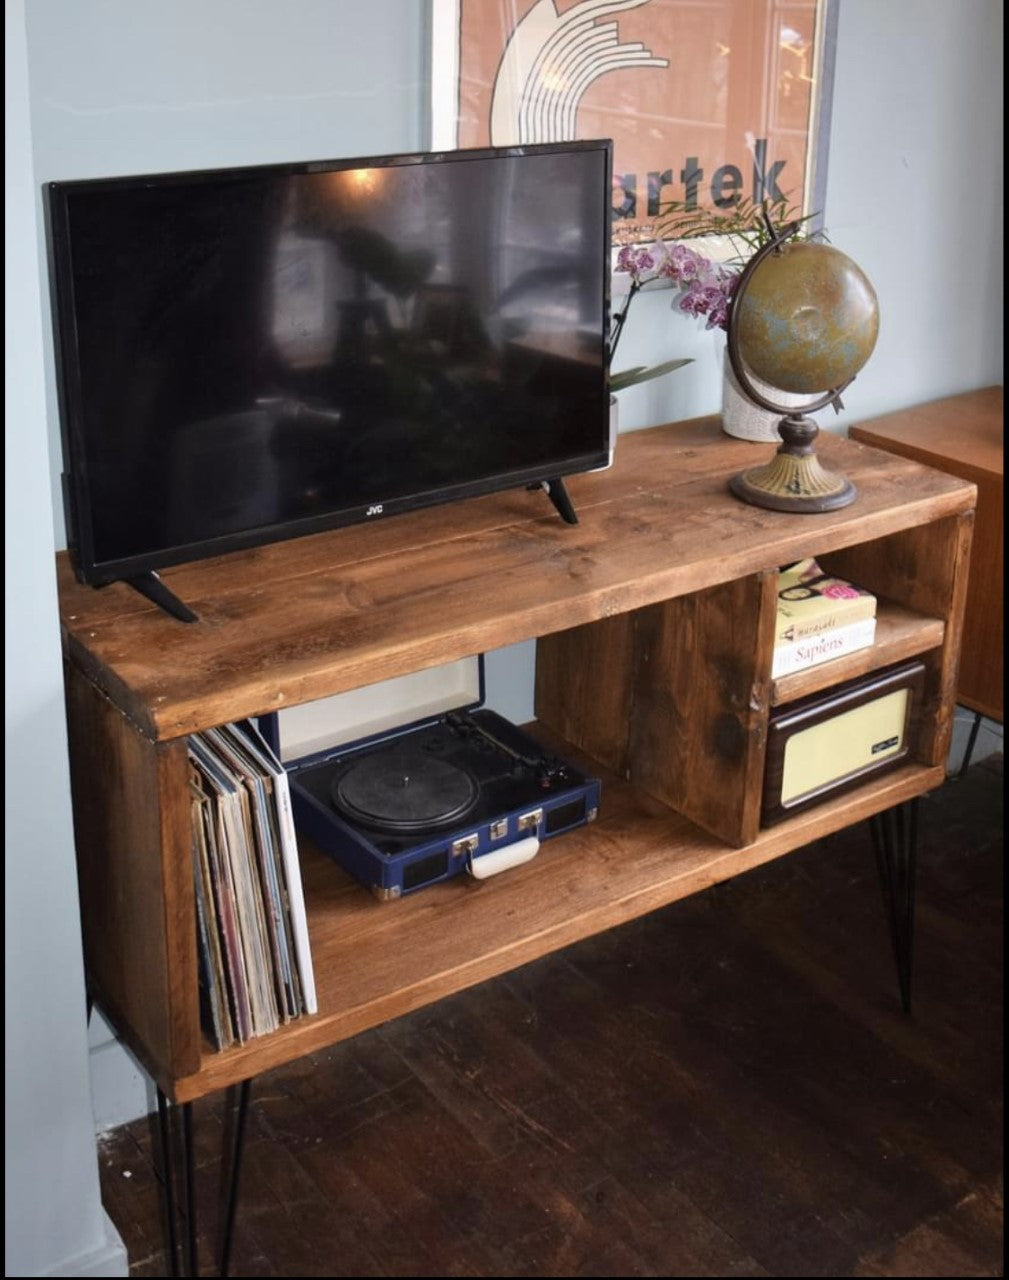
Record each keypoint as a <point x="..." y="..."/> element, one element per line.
<point x="584" y="681"/>
<point x="700" y="704"/>
<point x="924" y="568"/>
<point x="136" y="882"/>
<point x="674" y="698"/>
<point x="982" y="670"/>
<point x="180" y="908"/>
<point x="915" y="567"/>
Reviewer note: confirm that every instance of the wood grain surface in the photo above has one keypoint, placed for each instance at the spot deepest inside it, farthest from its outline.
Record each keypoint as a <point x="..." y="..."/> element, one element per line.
<point x="134" y="867"/>
<point x="674" y="698"/>
<point x="294" y="621"/>
<point x="925" y="568"/>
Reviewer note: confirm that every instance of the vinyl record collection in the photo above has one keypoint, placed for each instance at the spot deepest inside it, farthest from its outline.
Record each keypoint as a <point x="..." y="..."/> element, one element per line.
<point x="255" y="963"/>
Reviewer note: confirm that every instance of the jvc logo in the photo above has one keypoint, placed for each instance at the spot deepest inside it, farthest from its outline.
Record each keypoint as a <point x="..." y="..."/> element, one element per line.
<point x="374" y="510"/>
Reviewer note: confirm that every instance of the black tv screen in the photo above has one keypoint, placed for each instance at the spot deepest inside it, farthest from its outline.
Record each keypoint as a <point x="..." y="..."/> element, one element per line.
<point x="252" y="354"/>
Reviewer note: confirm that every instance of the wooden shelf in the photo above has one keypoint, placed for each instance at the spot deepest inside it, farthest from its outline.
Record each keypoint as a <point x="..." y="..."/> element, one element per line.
<point x="654" y="620"/>
<point x="900" y="634"/>
<point x="378" y="960"/>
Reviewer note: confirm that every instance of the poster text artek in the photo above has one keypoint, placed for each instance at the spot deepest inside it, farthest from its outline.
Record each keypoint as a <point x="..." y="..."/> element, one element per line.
<point x="691" y="187"/>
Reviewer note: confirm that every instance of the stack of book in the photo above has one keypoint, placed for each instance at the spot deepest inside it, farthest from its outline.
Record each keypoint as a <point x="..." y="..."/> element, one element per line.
<point x="255" y="962"/>
<point x="819" y="617"/>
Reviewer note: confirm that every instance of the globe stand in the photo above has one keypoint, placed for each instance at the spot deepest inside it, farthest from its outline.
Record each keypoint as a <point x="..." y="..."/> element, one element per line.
<point x="814" y="327"/>
<point x="794" y="479"/>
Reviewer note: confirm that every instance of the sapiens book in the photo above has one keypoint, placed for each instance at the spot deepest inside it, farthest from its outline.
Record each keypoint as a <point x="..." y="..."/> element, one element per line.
<point x="812" y="650"/>
<point x="811" y="603"/>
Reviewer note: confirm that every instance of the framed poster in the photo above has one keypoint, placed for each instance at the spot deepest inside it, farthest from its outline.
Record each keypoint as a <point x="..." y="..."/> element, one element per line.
<point x="713" y="105"/>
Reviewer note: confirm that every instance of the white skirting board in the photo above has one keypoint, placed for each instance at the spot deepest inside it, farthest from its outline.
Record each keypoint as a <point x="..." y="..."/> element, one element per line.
<point x="120" y="1090"/>
<point x="109" y="1259"/>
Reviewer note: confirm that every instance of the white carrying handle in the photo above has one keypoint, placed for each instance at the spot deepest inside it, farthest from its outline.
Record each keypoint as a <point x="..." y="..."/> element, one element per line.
<point x="512" y="855"/>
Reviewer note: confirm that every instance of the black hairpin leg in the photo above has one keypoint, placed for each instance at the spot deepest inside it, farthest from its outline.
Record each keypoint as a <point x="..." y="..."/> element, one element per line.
<point x="168" y="1130"/>
<point x="238" y="1116"/>
<point x="895" y="842"/>
<point x="177" y="1149"/>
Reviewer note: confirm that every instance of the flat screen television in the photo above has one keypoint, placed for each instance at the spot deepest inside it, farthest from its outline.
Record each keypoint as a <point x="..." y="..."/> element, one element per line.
<point x="247" y="355"/>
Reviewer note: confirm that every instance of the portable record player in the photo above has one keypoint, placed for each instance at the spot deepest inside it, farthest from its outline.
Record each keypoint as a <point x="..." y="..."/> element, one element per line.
<point x="460" y="790"/>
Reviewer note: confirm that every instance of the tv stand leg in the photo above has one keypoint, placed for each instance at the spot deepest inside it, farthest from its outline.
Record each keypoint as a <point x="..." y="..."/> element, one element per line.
<point x="895" y="841"/>
<point x="151" y="586"/>
<point x="178" y="1197"/>
<point x="171" y="1142"/>
<point x="238" y="1113"/>
<point x="556" y="491"/>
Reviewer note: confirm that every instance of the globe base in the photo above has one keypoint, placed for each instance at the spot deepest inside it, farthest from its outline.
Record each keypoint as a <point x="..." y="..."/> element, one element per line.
<point x="794" y="480"/>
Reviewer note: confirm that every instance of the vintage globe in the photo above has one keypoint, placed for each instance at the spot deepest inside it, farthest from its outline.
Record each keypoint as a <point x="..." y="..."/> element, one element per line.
<point x="804" y="320"/>
<point x="808" y="319"/>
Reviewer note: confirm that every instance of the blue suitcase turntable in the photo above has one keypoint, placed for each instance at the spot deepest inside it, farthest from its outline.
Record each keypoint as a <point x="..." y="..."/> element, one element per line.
<point x="462" y="792"/>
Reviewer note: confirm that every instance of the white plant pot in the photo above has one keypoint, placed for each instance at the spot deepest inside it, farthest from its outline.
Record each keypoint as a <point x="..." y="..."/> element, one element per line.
<point x="744" y="419"/>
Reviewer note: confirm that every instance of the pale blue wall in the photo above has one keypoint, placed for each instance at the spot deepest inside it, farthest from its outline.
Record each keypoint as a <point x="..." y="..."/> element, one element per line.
<point x="53" y="1213"/>
<point x="914" y="193"/>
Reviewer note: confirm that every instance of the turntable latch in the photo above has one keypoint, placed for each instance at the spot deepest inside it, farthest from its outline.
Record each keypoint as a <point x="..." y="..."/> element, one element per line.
<point x="465" y="845"/>
<point x="530" y="821"/>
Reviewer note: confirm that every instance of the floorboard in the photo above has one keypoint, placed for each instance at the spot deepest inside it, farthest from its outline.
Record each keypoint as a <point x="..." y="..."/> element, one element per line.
<point x="727" y="1087"/>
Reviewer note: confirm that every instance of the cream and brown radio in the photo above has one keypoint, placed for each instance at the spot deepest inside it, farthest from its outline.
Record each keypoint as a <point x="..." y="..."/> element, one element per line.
<point x="827" y="743"/>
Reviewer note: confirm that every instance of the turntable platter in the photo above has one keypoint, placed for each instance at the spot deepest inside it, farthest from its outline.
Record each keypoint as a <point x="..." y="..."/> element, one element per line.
<point x="404" y="791"/>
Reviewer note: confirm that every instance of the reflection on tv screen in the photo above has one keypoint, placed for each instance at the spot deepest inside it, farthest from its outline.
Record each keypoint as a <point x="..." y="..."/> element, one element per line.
<point x="262" y="351"/>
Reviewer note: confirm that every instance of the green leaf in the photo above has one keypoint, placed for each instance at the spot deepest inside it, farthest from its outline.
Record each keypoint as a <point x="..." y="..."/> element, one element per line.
<point x="743" y="224"/>
<point x="642" y="373"/>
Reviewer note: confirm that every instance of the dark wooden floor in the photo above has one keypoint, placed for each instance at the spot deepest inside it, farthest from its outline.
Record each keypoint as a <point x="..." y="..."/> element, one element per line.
<point x="727" y="1087"/>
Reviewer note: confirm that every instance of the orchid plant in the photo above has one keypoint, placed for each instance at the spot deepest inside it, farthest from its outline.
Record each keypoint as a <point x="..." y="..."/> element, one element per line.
<point x="704" y="289"/>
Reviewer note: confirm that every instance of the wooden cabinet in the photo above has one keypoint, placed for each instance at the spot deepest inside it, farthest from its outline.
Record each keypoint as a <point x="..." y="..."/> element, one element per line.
<point x="963" y="435"/>
<point x="654" y="617"/>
